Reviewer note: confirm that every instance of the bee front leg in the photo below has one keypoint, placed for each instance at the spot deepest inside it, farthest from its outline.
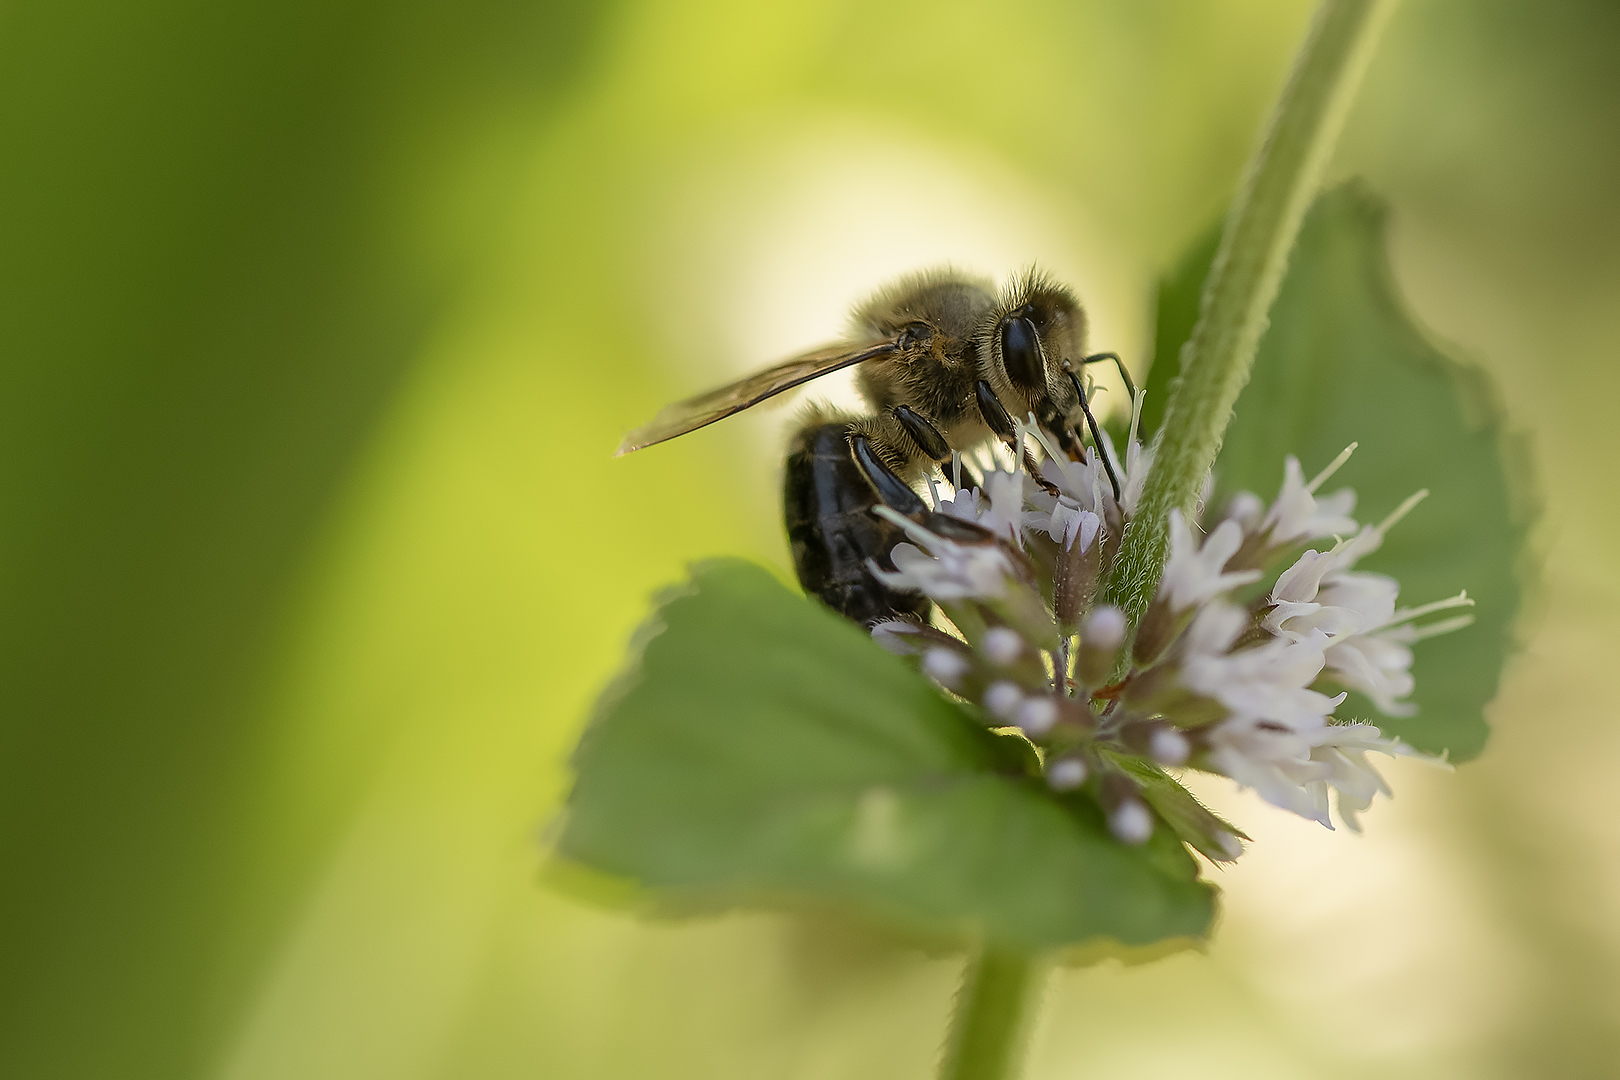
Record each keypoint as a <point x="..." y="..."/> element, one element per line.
<point x="894" y="492"/>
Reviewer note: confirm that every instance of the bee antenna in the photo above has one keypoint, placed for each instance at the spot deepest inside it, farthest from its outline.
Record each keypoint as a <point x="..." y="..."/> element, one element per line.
<point x="1096" y="434"/>
<point x="1097" y="358"/>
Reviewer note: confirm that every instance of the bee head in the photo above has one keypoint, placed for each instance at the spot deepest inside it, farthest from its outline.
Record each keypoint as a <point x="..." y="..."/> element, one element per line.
<point x="1037" y="325"/>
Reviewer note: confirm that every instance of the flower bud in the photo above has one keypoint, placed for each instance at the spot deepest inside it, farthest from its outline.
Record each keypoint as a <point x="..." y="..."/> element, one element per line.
<point x="1169" y="747"/>
<point x="1228" y="844"/>
<point x="1156" y="630"/>
<point x="1129" y="819"/>
<point x="1020" y="607"/>
<point x="1100" y="639"/>
<point x="1066" y="774"/>
<point x="1131" y="822"/>
<point x="1002" y="645"/>
<point x="1037" y="715"/>
<point x="945" y="666"/>
<point x="1079" y="566"/>
<point x="1002" y="699"/>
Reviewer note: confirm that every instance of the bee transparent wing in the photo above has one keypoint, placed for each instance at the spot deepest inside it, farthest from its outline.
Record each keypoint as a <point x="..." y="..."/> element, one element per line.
<point x="705" y="409"/>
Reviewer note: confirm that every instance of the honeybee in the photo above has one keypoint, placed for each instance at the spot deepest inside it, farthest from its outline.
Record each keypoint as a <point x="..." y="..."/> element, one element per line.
<point x="944" y="361"/>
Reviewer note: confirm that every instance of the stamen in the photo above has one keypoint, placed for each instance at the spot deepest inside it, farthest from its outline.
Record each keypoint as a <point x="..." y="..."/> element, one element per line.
<point x="1136" y="416"/>
<point x="1333" y="467"/>
<point x="1435" y="629"/>
<point x="1462" y="599"/>
<point x="1402" y="510"/>
<point x="933" y="492"/>
<point x="1041" y="437"/>
<point x="956" y="469"/>
<point x="913" y="530"/>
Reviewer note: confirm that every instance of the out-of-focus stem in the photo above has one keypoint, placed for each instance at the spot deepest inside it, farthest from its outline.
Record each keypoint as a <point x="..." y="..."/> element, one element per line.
<point x="995" y="1010"/>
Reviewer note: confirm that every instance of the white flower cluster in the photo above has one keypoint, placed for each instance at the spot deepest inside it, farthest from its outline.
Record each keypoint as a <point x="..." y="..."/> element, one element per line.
<point x="1243" y="684"/>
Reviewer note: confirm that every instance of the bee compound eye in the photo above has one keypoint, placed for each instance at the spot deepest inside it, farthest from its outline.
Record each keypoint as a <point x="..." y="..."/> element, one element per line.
<point x="1021" y="354"/>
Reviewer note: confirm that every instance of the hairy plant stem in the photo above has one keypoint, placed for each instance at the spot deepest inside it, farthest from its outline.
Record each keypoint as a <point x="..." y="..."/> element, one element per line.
<point x="995" y="1009"/>
<point x="1278" y="186"/>
<point x="1001" y="989"/>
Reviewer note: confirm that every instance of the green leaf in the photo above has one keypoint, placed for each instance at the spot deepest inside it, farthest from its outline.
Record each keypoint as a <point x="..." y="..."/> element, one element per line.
<point x="763" y="750"/>
<point x="1344" y="362"/>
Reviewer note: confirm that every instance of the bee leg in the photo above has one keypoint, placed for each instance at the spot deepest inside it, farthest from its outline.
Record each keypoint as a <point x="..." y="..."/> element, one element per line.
<point x="1052" y="420"/>
<point x="1097" y="358"/>
<point x="924" y="434"/>
<point x="894" y="492"/>
<point x="933" y="445"/>
<point x="1096" y="434"/>
<point x="997" y="420"/>
<point x="994" y="413"/>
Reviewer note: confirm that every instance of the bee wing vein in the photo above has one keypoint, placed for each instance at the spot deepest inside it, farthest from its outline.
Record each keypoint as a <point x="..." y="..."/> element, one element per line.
<point x="705" y="409"/>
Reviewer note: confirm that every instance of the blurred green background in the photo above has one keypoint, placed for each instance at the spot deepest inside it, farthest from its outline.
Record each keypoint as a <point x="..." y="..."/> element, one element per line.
<point x="318" y="324"/>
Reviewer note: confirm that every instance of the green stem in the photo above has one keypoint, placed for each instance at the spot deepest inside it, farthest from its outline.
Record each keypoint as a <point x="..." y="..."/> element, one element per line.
<point x="1278" y="186"/>
<point x="995" y="1009"/>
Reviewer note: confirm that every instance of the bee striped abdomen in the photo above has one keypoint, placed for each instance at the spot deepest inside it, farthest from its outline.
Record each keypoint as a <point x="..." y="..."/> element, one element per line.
<point x="827" y="506"/>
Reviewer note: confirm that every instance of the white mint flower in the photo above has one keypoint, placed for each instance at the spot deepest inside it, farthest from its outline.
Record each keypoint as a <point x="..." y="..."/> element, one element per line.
<point x="1194" y="572"/>
<point x="1298" y="514"/>
<point x="1296" y="768"/>
<point x="1004" y="516"/>
<point x="963" y="505"/>
<point x="946" y="570"/>
<point x="997" y="506"/>
<point x="1080" y="483"/>
<point x="1204" y="683"/>
<point x="1085" y="482"/>
<point x="1074" y="513"/>
<point x="1138" y="459"/>
<point x="1378" y="662"/>
<point x="1378" y="666"/>
<point x="1266" y="682"/>
<point x="1065" y="523"/>
<point x="1318" y="594"/>
<point x="1367" y="638"/>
